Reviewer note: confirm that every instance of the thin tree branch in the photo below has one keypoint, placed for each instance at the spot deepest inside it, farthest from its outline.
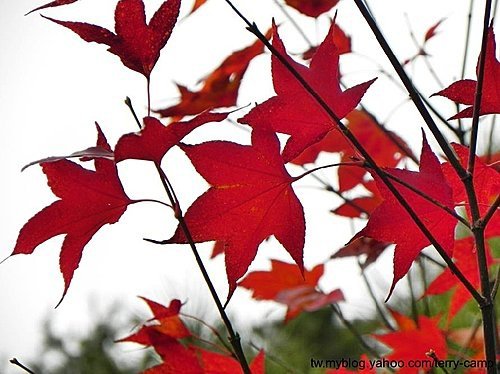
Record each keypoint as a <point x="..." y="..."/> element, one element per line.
<point x="14" y="361"/>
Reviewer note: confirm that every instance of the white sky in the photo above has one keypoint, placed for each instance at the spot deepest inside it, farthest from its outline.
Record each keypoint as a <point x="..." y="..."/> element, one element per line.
<point x="53" y="86"/>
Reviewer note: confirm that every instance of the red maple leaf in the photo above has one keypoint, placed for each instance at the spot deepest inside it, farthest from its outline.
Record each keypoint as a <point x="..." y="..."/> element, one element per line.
<point x="362" y="246"/>
<point x="219" y="89"/>
<point x="294" y="111"/>
<point x="465" y="258"/>
<point x="363" y="205"/>
<point x="341" y="40"/>
<point x="285" y="284"/>
<point x="88" y="200"/>
<point x="155" y="139"/>
<point x="486" y="180"/>
<point x="165" y="325"/>
<point x="463" y="91"/>
<point x="372" y="137"/>
<point x="312" y="8"/>
<point x="251" y="198"/>
<point x="216" y="363"/>
<point x="391" y="223"/>
<point x="52" y="4"/>
<point x="136" y="43"/>
<point x="413" y="342"/>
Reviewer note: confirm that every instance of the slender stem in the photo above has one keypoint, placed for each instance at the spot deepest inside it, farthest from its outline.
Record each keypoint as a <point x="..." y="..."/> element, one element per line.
<point x="494" y="289"/>
<point x="393" y="138"/>
<point x="338" y="312"/>
<point x="293" y="22"/>
<point x="491" y="139"/>
<point x="234" y="337"/>
<point x="437" y="361"/>
<point x="476" y="324"/>
<point x="153" y="201"/>
<point x="252" y="27"/>
<point x="491" y="211"/>
<point x="329" y="188"/>
<point x="415" y="96"/>
<point x="14" y="361"/>
<point x="309" y="171"/>
<point x="413" y="301"/>
<point x="430" y="199"/>
<point x="374" y="298"/>
<point x="464" y="59"/>
<point x="211" y="328"/>
<point x="276" y="360"/>
<point x="425" y="284"/>
<point x="467" y="39"/>
<point x="149" y="95"/>
<point x="479" y="89"/>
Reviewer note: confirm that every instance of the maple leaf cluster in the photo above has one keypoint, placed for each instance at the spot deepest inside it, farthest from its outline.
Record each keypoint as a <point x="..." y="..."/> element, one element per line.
<point x="251" y="194"/>
<point x="166" y="333"/>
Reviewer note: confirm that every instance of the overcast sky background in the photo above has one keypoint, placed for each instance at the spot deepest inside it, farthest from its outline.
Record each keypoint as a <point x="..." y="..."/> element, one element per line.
<point x="53" y="86"/>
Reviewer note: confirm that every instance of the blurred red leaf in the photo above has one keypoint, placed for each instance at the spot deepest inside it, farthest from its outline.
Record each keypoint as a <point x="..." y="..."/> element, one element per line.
<point x="362" y="246"/>
<point x="465" y="258"/>
<point x="312" y="8"/>
<point x="413" y="342"/>
<point x="341" y="40"/>
<point x="285" y="284"/>
<point x="136" y="43"/>
<point x="219" y="89"/>
<point x="363" y="205"/>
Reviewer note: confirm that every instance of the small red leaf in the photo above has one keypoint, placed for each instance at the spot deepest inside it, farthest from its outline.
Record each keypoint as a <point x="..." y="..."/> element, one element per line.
<point x="424" y="338"/>
<point x="285" y="284"/>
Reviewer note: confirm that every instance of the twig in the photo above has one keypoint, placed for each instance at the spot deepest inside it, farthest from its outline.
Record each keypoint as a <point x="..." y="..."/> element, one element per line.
<point x="14" y="361"/>
<point x="354" y="331"/>
<point x="374" y="298"/>
<point x="294" y="23"/>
